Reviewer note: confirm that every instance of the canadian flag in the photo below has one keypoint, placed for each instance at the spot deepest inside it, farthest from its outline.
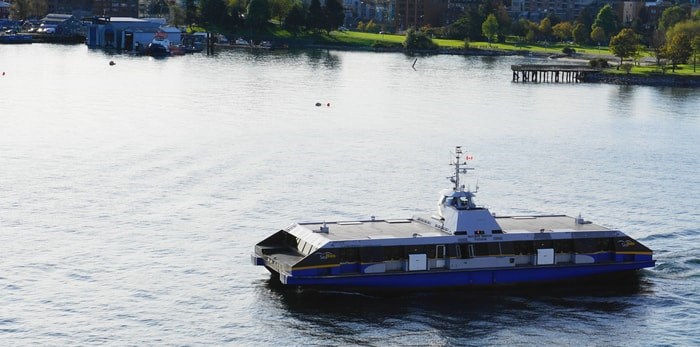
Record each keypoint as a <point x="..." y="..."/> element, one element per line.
<point x="469" y="157"/>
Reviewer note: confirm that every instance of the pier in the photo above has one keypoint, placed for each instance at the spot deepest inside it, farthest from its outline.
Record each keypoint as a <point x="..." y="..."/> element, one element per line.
<point x="551" y="73"/>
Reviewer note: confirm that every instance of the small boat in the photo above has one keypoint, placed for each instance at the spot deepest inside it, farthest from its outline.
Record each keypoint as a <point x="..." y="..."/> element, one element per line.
<point x="240" y="42"/>
<point x="264" y="45"/>
<point x="461" y="245"/>
<point x="159" y="46"/>
<point x="15" y="38"/>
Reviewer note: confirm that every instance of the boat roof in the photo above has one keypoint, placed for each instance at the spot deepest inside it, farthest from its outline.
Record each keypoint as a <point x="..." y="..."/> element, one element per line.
<point x="409" y="228"/>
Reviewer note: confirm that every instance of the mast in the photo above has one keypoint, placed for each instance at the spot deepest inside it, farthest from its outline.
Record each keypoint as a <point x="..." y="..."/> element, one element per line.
<point x="459" y="170"/>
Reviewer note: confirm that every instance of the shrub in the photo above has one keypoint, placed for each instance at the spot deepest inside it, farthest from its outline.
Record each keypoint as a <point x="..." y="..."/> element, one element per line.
<point x="599" y="62"/>
<point x="568" y="51"/>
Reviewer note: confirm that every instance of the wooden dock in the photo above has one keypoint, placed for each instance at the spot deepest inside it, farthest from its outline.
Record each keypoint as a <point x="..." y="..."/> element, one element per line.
<point x="551" y="73"/>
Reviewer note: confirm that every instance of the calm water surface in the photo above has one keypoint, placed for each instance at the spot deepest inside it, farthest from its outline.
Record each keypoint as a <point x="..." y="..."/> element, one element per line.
<point x="131" y="195"/>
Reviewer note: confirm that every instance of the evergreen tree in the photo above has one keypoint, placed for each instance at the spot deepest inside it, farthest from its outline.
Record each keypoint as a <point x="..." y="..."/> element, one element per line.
<point x="190" y="11"/>
<point x="257" y="14"/>
<point x="296" y="18"/>
<point x="335" y="15"/>
<point x="605" y="20"/>
<point x="315" y="18"/>
<point x="580" y="33"/>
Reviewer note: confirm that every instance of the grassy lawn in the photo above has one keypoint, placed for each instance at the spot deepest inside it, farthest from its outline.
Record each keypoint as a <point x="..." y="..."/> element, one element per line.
<point x="647" y="70"/>
<point x="362" y="39"/>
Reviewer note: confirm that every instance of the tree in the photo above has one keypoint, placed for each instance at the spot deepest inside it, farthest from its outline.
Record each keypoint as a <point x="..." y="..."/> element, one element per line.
<point x="257" y="14"/>
<point x="580" y="33"/>
<point x="624" y="44"/>
<point x="314" y="19"/>
<point x="213" y="12"/>
<point x="533" y="31"/>
<point x="519" y="28"/>
<point x="586" y="17"/>
<point x="657" y="43"/>
<point x="177" y="15"/>
<point x="605" y="20"/>
<point x="21" y="9"/>
<point x="598" y="35"/>
<point x="695" y="44"/>
<point x="671" y="16"/>
<point x="546" y="28"/>
<point x="279" y="8"/>
<point x="689" y="27"/>
<point x="490" y="27"/>
<point x="678" y="49"/>
<point x="371" y="27"/>
<point x="190" y="11"/>
<point x="335" y="14"/>
<point x="563" y="30"/>
<point x="418" y="40"/>
<point x="460" y="29"/>
<point x="295" y="18"/>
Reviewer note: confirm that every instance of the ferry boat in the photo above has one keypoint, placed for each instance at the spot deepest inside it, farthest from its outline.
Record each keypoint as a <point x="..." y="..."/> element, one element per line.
<point x="462" y="245"/>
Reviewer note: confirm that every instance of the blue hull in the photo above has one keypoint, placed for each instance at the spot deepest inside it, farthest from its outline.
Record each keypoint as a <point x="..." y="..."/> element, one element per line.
<point x="444" y="279"/>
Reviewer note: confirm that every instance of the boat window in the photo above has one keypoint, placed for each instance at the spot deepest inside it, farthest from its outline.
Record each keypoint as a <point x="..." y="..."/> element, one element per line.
<point x="393" y="253"/>
<point x="420" y="249"/>
<point x="604" y="245"/>
<point x="507" y="248"/>
<point x="481" y="249"/>
<point x="494" y="248"/>
<point x="585" y="245"/>
<point x="522" y="248"/>
<point x="348" y="255"/>
<point x="463" y="203"/>
<point x="371" y="254"/>
<point x="464" y="250"/>
<point x="563" y="246"/>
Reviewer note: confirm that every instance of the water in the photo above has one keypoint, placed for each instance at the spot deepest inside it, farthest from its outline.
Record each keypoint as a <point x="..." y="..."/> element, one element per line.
<point x="131" y="195"/>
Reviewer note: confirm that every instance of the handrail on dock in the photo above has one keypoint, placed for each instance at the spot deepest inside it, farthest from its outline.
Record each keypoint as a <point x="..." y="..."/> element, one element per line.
<point x="551" y="73"/>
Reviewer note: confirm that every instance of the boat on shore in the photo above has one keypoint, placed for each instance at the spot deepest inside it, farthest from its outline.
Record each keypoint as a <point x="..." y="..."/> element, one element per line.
<point x="462" y="245"/>
<point x="15" y="38"/>
<point x="160" y="46"/>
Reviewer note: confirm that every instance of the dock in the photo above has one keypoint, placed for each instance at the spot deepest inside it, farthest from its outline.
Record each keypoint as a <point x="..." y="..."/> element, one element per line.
<point x="551" y="73"/>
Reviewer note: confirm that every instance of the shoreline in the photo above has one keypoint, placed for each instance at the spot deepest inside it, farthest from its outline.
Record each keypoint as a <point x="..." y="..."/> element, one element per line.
<point x="654" y="80"/>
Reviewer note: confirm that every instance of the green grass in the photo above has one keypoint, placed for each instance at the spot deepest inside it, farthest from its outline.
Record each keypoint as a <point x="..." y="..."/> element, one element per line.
<point x="647" y="70"/>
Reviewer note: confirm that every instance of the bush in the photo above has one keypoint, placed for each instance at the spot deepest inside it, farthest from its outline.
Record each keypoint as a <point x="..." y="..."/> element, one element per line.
<point x="568" y="51"/>
<point x="418" y="40"/>
<point x="599" y="62"/>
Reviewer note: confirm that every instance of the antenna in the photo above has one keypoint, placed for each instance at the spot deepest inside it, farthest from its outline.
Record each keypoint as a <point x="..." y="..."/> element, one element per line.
<point x="459" y="170"/>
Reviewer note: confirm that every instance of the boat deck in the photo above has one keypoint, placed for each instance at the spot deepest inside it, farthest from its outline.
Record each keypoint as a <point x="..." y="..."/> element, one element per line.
<point x="406" y="228"/>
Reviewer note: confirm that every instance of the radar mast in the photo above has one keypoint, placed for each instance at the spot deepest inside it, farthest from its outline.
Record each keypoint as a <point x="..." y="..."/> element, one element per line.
<point x="461" y="168"/>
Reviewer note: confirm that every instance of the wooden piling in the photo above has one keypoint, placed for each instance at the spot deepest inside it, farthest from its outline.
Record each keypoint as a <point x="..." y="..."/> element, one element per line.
<point x="551" y="73"/>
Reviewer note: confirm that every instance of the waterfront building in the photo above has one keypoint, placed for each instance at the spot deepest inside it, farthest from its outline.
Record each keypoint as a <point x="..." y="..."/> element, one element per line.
<point x="127" y="33"/>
